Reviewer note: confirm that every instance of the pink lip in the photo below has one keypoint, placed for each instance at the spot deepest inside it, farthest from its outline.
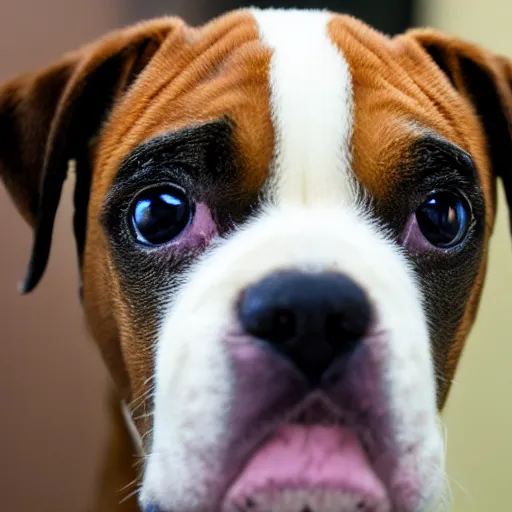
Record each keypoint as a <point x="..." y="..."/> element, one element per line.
<point x="327" y="462"/>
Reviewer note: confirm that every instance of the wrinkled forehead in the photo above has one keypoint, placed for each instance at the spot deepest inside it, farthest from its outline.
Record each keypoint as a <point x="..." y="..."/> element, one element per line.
<point x="301" y="90"/>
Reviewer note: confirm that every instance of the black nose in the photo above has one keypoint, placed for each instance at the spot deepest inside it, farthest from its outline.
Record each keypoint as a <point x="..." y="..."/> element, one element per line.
<point x="310" y="318"/>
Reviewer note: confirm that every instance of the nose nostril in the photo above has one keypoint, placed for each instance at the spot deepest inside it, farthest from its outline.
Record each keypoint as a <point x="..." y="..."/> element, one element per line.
<point x="276" y="324"/>
<point x="283" y="326"/>
<point x="342" y="332"/>
<point x="336" y="329"/>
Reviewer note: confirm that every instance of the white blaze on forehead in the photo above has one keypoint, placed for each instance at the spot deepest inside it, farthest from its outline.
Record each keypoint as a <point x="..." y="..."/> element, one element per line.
<point x="311" y="105"/>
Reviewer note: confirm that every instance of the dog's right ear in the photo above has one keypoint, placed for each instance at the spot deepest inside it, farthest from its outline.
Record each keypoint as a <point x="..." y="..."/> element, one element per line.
<point x="50" y="117"/>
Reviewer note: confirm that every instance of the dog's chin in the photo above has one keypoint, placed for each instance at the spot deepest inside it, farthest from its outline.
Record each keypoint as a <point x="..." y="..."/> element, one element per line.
<point x="313" y="468"/>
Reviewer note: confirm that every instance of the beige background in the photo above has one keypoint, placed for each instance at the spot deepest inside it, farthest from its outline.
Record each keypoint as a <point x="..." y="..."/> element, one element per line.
<point x="51" y="379"/>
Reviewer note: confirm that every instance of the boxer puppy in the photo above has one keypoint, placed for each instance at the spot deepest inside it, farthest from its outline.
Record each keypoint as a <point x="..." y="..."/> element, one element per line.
<point x="282" y="221"/>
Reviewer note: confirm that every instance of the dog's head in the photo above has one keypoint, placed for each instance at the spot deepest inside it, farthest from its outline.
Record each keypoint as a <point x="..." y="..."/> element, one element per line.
<point x="282" y="222"/>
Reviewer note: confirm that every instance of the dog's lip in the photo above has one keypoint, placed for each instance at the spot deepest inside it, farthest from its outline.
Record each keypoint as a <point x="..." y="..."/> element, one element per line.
<point x="318" y="417"/>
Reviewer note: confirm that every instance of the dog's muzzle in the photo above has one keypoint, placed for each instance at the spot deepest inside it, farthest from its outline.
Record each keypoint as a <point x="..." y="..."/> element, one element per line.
<point x="298" y="382"/>
<point x="315" y="323"/>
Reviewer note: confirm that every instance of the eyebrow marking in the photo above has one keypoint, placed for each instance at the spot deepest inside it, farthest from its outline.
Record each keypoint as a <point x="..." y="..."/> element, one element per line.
<point x="191" y="147"/>
<point x="432" y="147"/>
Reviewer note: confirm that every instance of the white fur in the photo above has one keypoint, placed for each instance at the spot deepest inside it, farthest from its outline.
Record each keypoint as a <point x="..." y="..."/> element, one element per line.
<point x="312" y="221"/>
<point x="311" y="105"/>
<point x="193" y="379"/>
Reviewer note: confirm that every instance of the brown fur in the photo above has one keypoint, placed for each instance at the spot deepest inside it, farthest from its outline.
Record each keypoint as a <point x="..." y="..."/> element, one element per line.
<point x="167" y="76"/>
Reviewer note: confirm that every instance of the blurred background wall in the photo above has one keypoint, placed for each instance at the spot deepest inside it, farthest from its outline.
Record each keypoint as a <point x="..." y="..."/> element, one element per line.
<point x="51" y="379"/>
<point x="52" y="382"/>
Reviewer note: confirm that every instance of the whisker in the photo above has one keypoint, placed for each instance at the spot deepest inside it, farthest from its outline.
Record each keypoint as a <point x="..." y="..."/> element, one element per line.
<point x="149" y="390"/>
<point x="445" y="380"/>
<point x="143" y="437"/>
<point x="130" y="495"/>
<point x="144" y="416"/>
<point x="451" y="480"/>
<point x="140" y="400"/>
<point x="149" y="379"/>
<point x="463" y="489"/>
<point x="133" y="482"/>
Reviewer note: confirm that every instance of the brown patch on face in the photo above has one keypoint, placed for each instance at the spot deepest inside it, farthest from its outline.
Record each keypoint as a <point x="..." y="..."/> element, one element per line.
<point x="198" y="75"/>
<point x="399" y="94"/>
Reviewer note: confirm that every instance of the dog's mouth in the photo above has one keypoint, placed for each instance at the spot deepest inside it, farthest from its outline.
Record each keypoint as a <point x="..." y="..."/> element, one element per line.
<point x="314" y="461"/>
<point x="289" y="447"/>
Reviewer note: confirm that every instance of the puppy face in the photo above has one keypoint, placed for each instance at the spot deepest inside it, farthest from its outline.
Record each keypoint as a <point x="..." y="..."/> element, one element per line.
<point x="282" y="225"/>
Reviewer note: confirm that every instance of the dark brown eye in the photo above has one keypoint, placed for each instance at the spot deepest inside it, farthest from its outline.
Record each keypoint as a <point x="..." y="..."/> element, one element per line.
<point x="160" y="214"/>
<point x="444" y="219"/>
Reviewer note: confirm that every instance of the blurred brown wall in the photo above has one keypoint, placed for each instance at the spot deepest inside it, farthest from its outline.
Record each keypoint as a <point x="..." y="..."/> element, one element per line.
<point x="51" y="379"/>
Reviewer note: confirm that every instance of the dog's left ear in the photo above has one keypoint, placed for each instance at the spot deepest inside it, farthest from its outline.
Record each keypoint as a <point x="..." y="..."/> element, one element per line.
<point x="51" y="117"/>
<point x="485" y="80"/>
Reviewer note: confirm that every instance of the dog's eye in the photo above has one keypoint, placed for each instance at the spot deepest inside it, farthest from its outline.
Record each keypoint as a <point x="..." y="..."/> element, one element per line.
<point x="160" y="214"/>
<point x="444" y="219"/>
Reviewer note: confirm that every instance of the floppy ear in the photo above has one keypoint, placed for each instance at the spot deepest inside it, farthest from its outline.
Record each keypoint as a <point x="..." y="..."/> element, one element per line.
<point x="485" y="80"/>
<point x="50" y="117"/>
